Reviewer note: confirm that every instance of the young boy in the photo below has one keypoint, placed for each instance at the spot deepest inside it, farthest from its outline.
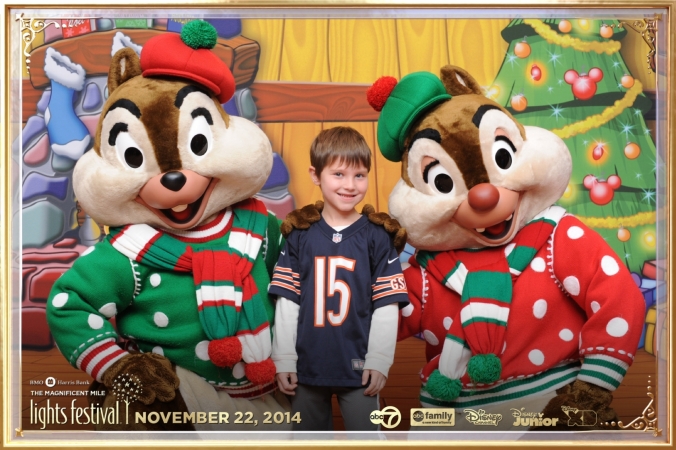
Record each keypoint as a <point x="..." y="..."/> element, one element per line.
<point x="339" y="287"/>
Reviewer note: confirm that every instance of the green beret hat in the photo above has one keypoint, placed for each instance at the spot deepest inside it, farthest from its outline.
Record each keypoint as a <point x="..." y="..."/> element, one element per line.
<point x="400" y="104"/>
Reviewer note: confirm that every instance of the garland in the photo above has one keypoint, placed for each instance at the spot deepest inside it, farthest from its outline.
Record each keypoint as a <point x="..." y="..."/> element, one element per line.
<point x="553" y="37"/>
<point x="642" y="218"/>
<point x="606" y="116"/>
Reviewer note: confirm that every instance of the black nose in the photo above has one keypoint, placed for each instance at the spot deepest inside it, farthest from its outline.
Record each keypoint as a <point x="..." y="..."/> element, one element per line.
<point x="173" y="180"/>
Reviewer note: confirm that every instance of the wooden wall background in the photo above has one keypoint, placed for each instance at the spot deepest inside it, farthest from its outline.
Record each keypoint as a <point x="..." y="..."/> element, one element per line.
<point x="359" y="51"/>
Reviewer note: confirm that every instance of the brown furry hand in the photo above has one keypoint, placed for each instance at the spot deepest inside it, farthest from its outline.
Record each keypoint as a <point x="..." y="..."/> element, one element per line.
<point x="157" y="377"/>
<point x="302" y="218"/>
<point x="392" y="226"/>
<point x="585" y="398"/>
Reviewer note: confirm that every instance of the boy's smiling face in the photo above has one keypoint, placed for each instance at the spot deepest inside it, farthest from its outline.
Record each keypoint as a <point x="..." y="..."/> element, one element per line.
<point x="343" y="186"/>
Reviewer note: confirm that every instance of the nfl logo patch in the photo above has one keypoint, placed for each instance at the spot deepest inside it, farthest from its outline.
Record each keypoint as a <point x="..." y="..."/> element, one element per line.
<point x="337" y="237"/>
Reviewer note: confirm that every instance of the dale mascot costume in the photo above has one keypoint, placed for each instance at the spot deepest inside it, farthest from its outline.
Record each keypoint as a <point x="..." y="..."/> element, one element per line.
<point x="186" y="266"/>
<point x="524" y="309"/>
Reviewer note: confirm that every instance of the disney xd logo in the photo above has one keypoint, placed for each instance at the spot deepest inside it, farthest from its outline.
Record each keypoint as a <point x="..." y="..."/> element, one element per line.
<point x="389" y="417"/>
<point x="580" y="417"/>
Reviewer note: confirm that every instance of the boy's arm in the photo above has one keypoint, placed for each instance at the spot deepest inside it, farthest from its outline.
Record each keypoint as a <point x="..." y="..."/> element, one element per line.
<point x="382" y="339"/>
<point x="286" y="330"/>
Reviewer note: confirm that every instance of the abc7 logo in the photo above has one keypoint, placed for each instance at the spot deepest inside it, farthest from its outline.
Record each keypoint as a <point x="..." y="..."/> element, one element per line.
<point x="389" y="417"/>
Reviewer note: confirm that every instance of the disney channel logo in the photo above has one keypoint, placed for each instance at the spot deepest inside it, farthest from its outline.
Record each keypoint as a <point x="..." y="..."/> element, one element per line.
<point x="389" y="417"/>
<point x="481" y="417"/>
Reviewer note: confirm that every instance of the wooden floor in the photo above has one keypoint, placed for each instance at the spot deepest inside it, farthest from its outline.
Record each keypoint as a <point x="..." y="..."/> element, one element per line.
<point x="401" y="391"/>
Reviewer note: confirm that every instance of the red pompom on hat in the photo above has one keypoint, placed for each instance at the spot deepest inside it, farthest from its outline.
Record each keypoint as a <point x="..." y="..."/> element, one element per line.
<point x="189" y="55"/>
<point x="379" y="92"/>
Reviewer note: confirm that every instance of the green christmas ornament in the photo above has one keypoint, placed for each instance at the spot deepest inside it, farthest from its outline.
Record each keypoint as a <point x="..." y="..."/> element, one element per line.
<point x="484" y="368"/>
<point x="199" y="34"/>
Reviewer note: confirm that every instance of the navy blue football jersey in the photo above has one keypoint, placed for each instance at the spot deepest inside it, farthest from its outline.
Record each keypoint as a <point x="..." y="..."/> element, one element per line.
<point x="338" y="278"/>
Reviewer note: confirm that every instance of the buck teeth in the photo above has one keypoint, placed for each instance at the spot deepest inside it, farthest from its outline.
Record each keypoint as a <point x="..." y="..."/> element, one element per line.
<point x="510" y="217"/>
<point x="179" y="208"/>
<point x="480" y="230"/>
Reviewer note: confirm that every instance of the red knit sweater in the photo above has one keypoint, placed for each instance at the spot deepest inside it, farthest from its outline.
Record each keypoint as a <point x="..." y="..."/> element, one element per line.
<point x="575" y="302"/>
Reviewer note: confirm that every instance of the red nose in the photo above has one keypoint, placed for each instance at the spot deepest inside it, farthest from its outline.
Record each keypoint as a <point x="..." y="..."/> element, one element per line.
<point x="483" y="197"/>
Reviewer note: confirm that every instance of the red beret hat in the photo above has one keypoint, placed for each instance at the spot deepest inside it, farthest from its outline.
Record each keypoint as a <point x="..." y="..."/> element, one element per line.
<point x="189" y="56"/>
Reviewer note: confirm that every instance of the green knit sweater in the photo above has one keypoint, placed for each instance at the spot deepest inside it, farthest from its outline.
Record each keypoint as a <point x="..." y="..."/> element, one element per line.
<point x="155" y="309"/>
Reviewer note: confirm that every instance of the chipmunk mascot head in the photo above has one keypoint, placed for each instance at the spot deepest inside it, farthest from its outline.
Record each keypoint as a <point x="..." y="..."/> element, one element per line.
<point x="520" y="304"/>
<point x="186" y="266"/>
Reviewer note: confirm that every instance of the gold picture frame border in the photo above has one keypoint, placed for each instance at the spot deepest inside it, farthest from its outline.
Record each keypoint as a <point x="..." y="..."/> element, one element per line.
<point x="666" y="65"/>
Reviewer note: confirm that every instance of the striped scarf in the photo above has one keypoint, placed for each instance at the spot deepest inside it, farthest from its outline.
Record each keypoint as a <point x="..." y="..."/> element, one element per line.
<point x="483" y="278"/>
<point x="227" y="298"/>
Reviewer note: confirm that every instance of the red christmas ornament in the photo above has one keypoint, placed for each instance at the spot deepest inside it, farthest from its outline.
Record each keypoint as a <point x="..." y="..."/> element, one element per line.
<point x="598" y="152"/>
<point x="614" y="182"/>
<point x="584" y="85"/>
<point x="601" y="193"/>
<point x="589" y="181"/>
<point x="535" y="72"/>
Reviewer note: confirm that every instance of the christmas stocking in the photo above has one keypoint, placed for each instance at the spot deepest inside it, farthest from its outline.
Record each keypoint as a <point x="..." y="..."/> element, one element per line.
<point x="68" y="136"/>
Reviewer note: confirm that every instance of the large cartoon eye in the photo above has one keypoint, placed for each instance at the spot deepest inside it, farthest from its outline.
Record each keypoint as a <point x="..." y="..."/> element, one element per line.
<point x="503" y="152"/>
<point x="438" y="178"/>
<point x="128" y="151"/>
<point x="199" y="136"/>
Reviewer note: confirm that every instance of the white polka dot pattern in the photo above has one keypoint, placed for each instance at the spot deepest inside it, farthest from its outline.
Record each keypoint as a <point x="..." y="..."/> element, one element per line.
<point x="161" y="319"/>
<point x="158" y="350"/>
<point x="572" y="285"/>
<point x="536" y="357"/>
<point x="566" y="335"/>
<point x="109" y="310"/>
<point x="609" y="265"/>
<point x="540" y="308"/>
<point x="430" y="337"/>
<point x="538" y="264"/>
<point x="155" y="279"/>
<point x="95" y="322"/>
<point x="575" y="232"/>
<point x="59" y="300"/>
<point x="202" y="350"/>
<point x="617" y="327"/>
<point x="407" y="310"/>
<point x="447" y="323"/>
<point x="88" y="251"/>
<point x="595" y="306"/>
<point x="238" y="370"/>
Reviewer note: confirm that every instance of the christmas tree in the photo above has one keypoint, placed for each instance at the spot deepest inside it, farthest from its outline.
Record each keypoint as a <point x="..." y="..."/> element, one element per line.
<point x="568" y="76"/>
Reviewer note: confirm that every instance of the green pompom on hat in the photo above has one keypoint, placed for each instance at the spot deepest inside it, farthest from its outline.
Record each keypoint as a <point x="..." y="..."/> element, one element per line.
<point x="400" y="105"/>
<point x="199" y="34"/>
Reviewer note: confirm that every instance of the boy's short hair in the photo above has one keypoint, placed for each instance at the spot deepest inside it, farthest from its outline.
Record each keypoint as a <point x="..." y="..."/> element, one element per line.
<point x="344" y="144"/>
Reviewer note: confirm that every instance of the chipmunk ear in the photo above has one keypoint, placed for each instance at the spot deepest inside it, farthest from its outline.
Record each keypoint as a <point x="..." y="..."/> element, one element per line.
<point x="458" y="82"/>
<point x="124" y="66"/>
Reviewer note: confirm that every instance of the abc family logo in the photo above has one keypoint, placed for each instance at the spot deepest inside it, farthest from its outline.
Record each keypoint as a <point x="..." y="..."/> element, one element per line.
<point x="389" y="417"/>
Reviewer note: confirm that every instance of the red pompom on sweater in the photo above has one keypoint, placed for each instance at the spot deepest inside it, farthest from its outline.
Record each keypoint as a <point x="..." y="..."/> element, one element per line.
<point x="225" y="352"/>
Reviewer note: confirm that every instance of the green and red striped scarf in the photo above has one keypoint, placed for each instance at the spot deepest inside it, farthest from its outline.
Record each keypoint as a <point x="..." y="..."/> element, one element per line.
<point x="227" y="298"/>
<point x="484" y="278"/>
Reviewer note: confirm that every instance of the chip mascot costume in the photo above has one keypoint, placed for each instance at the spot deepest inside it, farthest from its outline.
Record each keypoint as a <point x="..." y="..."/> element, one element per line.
<point x="523" y="308"/>
<point x="186" y="266"/>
